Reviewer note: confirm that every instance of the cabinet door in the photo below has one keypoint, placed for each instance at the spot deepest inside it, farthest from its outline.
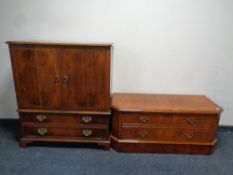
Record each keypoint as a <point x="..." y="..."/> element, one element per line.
<point x="35" y="69"/>
<point x="86" y="78"/>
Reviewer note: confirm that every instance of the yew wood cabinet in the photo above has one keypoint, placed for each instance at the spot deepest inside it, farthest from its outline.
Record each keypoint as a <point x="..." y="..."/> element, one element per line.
<point x="164" y="123"/>
<point x="63" y="91"/>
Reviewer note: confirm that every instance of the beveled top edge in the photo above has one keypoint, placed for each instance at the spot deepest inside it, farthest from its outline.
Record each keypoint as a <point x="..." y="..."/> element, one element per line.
<point x="164" y="111"/>
<point x="51" y="43"/>
<point x="124" y="102"/>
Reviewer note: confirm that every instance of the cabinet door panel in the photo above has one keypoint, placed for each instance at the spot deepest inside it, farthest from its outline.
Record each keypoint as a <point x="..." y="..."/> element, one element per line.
<point x="34" y="70"/>
<point x="88" y="72"/>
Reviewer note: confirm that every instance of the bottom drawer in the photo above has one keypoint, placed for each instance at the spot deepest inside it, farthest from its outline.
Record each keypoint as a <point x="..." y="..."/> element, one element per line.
<point x="42" y="131"/>
<point x="168" y="134"/>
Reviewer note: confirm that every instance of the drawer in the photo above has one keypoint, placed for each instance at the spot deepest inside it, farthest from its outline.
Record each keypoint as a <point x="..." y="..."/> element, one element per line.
<point x="66" y="119"/>
<point x="168" y="134"/>
<point x="170" y="120"/>
<point x="44" y="131"/>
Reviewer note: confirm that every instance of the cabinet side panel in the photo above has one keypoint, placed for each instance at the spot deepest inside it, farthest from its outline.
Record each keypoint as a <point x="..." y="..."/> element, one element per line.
<point x="116" y="124"/>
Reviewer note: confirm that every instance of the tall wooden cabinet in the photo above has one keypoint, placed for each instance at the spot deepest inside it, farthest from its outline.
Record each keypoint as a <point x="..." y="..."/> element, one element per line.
<point x="63" y="91"/>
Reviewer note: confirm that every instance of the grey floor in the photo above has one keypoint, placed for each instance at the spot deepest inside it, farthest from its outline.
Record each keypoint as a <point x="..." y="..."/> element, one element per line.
<point x="69" y="159"/>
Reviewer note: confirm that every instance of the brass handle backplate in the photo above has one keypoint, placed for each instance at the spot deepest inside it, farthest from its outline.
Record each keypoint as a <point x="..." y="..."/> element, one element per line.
<point x="41" y="117"/>
<point x="65" y="79"/>
<point x="87" y="132"/>
<point x="56" y="79"/>
<point x="189" y="135"/>
<point x="42" y="131"/>
<point x="86" y="119"/>
<point x="143" y="119"/>
<point x="191" y="120"/>
<point x="143" y="133"/>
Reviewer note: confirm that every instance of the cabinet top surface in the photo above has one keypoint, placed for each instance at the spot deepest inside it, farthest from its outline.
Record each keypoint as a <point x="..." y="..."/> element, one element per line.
<point x="43" y="43"/>
<point x="164" y="103"/>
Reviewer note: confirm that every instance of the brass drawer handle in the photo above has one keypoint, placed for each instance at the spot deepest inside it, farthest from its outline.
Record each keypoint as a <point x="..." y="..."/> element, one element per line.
<point x="42" y="131"/>
<point x="41" y="117"/>
<point x="191" y="120"/>
<point x="65" y="79"/>
<point x="86" y="119"/>
<point x="143" y="119"/>
<point x="56" y="79"/>
<point x="87" y="132"/>
<point x="143" y="134"/>
<point x="189" y="135"/>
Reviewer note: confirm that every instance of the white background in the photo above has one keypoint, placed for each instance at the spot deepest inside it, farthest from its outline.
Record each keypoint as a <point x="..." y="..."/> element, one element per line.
<point x="160" y="46"/>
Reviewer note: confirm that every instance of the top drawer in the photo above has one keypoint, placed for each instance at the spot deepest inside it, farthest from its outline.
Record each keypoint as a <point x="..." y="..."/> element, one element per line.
<point x="70" y="119"/>
<point x="170" y="120"/>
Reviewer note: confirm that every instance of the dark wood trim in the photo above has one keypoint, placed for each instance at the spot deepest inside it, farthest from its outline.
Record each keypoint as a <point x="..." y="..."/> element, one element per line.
<point x="161" y="142"/>
<point x="157" y="147"/>
<point x="26" y="141"/>
<point x="62" y="125"/>
<point x="64" y="112"/>
<point x="41" y="43"/>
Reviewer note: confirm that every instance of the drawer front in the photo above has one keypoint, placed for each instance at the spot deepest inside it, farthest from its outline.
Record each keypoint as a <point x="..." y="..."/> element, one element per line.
<point x="66" y="119"/>
<point x="168" y="134"/>
<point x="44" y="131"/>
<point x="170" y="120"/>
